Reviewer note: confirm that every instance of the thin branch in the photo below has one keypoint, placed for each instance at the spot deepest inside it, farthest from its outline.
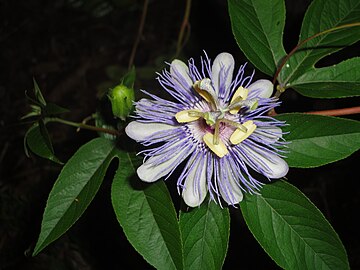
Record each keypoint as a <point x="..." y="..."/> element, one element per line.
<point x="334" y="112"/>
<point x="84" y="126"/>
<point x="337" y="112"/>
<point x="184" y="24"/>
<point x="139" y="34"/>
<point x="272" y="112"/>
<point x="279" y="90"/>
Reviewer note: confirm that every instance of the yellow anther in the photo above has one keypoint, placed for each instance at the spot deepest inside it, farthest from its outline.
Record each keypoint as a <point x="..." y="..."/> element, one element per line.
<point x="186" y="116"/>
<point x="238" y="136"/>
<point x="219" y="149"/>
<point x="204" y="94"/>
<point x="241" y="93"/>
<point x="206" y="91"/>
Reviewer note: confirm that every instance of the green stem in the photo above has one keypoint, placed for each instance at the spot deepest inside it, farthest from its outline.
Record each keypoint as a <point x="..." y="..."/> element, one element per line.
<point x="281" y="89"/>
<point x="84" y="126"/>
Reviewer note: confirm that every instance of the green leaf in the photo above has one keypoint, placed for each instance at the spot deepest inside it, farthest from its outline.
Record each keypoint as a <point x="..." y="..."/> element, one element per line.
<point x="38" y="96"/>
<point x="31" y="100"/>
<point x="258" y="27"/>
<point x="147" y="215"/>
<point x="205" y="233"/>
<point x="74" y="189"/>
<point x="38" y="140"/>
<point x="317" y="140"/>
<point x="53" y="109"/>
<point x="342" y="80"/>
<point x="292" y="230"/>
<point x="45" y="135"/>
<point x="323" y="15"/>
<point x="35" y="111"/>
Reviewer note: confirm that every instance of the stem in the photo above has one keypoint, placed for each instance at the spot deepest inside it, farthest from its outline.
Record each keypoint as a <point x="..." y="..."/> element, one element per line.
<point x="302" y="43"/>
<point x="185" y="22"/>
<point x="334" y="112"/>
<point x="140" y="30"/>
<point x="90" y="117"/>
<point x="337" y="112"/>
<point x="84" y="126"/>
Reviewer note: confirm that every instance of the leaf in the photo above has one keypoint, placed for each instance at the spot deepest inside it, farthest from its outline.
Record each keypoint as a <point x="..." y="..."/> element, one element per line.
<point x="342" y="80"/>
<point x="258" y="27"/>
<point x="74" y="189"/>
<point x="38" y="96"/>
<point x="317" y="140"/>
<point x="45" y="135"/>
<point x="53" y="109"/>
<point x="38" y="140"/>
<point x="35" y="102"/>
<point x="323" y="15"/>
<point x="147" y="216"/>
<point x="35" y="111"/>
<point x="205" y="233"/>
<point x="292" y="230"/>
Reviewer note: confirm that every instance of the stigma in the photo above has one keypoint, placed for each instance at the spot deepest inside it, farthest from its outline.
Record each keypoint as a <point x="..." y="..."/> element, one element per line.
<point x="218" y="117"/>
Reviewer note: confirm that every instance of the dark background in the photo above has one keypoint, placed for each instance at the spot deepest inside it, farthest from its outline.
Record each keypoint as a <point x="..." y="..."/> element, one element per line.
<point x="77" y="49"/>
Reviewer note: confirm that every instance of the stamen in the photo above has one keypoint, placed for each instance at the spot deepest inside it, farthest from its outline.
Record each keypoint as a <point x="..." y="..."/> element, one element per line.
<point x="252" y="104"/>
<point x="195" y="113"/>
<point x="234" y="124"/>
<point x="219" y="149"/>
<point x="217" y="132"/>
<point x="186" y="116"/>
<point x="211" y="117"/>
<point x="238" y="136"/>
<point x="240" y="94"/>
<point x="206" y="91"/>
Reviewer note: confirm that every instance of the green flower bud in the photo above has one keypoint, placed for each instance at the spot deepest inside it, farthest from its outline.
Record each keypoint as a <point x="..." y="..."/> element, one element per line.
<point x="121" y="98"/>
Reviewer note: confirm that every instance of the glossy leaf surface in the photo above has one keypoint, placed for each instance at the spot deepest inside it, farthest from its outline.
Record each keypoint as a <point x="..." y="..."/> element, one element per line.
<point x="147" y="215"/>
<point x="74" y="189"/>
<point x="292" y="230"/>
<point x="341" y="80"/>
<point x="258" y="27"/>
<point x="323" y="15"/>
<point x="316" y="140"/>
<point x="38" y="141"/>
<point x="205" y="232"/>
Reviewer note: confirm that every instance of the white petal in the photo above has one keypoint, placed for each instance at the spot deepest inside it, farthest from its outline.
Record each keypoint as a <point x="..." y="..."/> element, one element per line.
<point x="150" y="173"/>
<point x="195" y="190"/>
<point x="272" y="165"/>
<point x="180" y="71"/>
<point x="222" y="70"/>
<point x="233" y="194"/>
<point x="141" y="131"/>
<point x="260" y="89"/>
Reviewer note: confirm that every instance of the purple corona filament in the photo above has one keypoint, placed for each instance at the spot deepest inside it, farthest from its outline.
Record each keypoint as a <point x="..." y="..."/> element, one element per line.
<point x="216" y="125"/>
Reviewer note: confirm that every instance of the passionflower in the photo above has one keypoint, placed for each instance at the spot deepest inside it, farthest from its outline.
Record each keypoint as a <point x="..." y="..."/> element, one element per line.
<point x="216" y="125"/>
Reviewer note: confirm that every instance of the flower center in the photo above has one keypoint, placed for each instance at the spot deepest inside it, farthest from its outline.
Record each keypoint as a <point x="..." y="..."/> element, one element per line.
<point x="217" y="117"/>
